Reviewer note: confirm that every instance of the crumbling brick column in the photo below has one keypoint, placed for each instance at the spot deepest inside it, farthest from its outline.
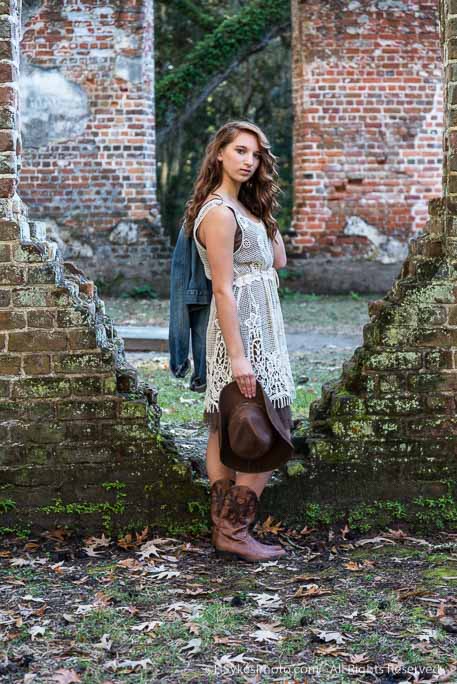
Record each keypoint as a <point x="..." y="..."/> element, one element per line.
<point x="88" y="129"/>
<point x="389" y="426"/>
<point x="367" y="97"/>
<point x="80" y="439"/>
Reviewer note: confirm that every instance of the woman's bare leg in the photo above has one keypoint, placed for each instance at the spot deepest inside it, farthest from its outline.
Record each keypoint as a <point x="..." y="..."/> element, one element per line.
<point x="214" y="467"/>
<point x="255" y="481"/>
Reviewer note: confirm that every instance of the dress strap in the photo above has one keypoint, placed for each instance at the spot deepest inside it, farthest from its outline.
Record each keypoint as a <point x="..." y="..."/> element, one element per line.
<point x="204" y="210"/>
<point x="218" y="201"/>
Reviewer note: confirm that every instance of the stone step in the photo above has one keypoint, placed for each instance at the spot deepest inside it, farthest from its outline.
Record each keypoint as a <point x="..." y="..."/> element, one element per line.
<point x="155" y="338"/>
<point x="144" y="338"/>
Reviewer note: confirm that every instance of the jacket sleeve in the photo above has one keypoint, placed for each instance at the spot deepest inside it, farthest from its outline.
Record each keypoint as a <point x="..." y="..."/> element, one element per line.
<point x="179" y="321"/>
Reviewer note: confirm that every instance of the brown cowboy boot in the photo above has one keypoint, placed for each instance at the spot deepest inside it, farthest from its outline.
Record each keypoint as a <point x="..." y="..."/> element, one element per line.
<point x="219" y="489"/>
<point x="231" y="538"/>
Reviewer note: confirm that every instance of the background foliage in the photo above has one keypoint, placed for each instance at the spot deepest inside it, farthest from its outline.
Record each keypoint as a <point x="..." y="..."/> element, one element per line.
<point x="218" y="61"/>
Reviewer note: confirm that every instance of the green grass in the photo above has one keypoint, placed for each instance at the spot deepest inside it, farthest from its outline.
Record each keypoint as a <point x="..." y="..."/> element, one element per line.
<point x="100" y="621"/>
<point x="218" y="618"/>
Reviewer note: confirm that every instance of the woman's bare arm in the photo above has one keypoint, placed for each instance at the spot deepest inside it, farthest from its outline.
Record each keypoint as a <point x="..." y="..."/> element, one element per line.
<point x="219" y="227"/>
<point x="280" y="258"/>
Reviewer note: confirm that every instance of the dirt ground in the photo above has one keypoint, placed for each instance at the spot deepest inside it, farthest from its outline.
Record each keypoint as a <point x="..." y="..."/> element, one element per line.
<point x="338" y="608"/>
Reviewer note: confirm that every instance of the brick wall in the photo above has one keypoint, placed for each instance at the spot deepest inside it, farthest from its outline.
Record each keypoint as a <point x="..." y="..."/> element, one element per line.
<point x="367" y="93"/>
<point x="88" y="128"/>
<point x="388" y="424"/>
<point x="80" y="438"/>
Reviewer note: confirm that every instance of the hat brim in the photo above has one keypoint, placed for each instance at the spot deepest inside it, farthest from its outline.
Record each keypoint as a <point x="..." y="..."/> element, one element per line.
<point x="282" y="449"/>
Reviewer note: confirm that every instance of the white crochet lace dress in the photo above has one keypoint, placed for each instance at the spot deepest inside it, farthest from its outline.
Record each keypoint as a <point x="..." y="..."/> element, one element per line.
<point x="255" y="286"/>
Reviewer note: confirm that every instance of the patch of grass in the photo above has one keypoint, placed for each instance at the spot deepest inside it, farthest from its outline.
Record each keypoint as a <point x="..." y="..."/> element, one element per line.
<point x="374" y="641"/>
<point x="411" y="656"/>
<point x="219" y="618"/>
<point x="100" y="569"/>
<point x="297" y="617"/>
<point x="100" y="621"/>
<point x="438" y="575"/>
<point x="303" y="400"/>
<point x="292" y="644"/>
<point x="138" y="311"/>
<point x="140" y="292"/>
<point x="179" y="404"/>
<point x="418" y="616"/>
<point x="175" y="635"/>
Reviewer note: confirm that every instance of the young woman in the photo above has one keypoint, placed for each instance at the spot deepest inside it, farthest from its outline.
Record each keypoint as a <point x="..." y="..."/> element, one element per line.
<point x="230" y="216"/>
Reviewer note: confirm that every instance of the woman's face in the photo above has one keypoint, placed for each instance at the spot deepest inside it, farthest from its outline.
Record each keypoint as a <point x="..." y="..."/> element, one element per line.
<point x="241" y="157"/>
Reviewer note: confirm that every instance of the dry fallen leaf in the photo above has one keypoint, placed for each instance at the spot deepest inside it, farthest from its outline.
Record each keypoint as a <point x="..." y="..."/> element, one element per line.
<point x="130" y="563"/>
<point x="36" y="630"/>
<point x="265" y="635"/>
<point x="128" y="664"/>
<point x="57" y="534"/>
<point x="345" y="531"/>
<point x="161" y="572"/>
<point x="310" y="591"/>
<point x="192" y="647"/>
<point x="146" y="626"/>
<point x="148" y="549"/>
<point x="97" y="541"/>
<point x="105" y="643"/>
<point x="126" y="542"/>
<point x="267" y="600"/>
<point x="321" y="634"/>
<point x="64" y="676"/>
<point x="269" y="526"/>
<point x="397" y="534"/>
<point x="331" y="650"/>
<point x="229" y="659"/>
<point x="89" y="550"/>
<point x="374" y="540"/>
<point x="355" y="567"/>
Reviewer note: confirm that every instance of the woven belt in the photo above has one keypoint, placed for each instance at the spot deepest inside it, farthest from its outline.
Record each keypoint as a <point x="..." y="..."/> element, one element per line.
<point x="264" y="274"/>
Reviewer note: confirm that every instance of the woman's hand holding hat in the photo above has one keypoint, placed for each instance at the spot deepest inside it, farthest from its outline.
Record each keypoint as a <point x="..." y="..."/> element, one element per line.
<point x="244" y="376"/>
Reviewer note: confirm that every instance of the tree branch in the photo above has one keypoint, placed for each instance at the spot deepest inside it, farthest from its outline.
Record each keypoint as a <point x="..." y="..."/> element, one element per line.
<point x="179" y="93"/>
<point x="198" y="16"/>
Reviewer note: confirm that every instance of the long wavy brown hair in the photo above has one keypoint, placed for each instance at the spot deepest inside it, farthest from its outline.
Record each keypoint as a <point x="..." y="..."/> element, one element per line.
<point x="258" y="193"/>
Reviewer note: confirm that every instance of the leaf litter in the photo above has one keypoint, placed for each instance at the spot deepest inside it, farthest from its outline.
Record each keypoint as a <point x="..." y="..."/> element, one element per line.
<point x="142" y="609"/>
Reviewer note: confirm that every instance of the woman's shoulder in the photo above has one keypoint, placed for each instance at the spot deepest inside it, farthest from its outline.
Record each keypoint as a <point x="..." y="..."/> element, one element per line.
<point x="218" y="208"/>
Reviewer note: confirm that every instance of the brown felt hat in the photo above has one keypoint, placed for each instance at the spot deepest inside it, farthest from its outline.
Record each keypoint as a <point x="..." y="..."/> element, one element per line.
<point x="251" y="434"/>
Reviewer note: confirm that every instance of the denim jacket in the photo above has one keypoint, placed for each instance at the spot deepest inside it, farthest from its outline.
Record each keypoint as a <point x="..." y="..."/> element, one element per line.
<point x="190" y="296"/>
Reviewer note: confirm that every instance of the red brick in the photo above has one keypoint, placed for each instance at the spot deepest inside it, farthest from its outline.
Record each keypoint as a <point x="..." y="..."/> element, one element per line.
<point x="37" y="341"/>
<point x="40" y="319"/>
<point x="81" y="339"/>
<point x="9" y="230"/>
<point x="12" y="320"/>
<point x="10" y="365"/>
<point x="5" y="252"/>
<point x="37" y="364"/>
